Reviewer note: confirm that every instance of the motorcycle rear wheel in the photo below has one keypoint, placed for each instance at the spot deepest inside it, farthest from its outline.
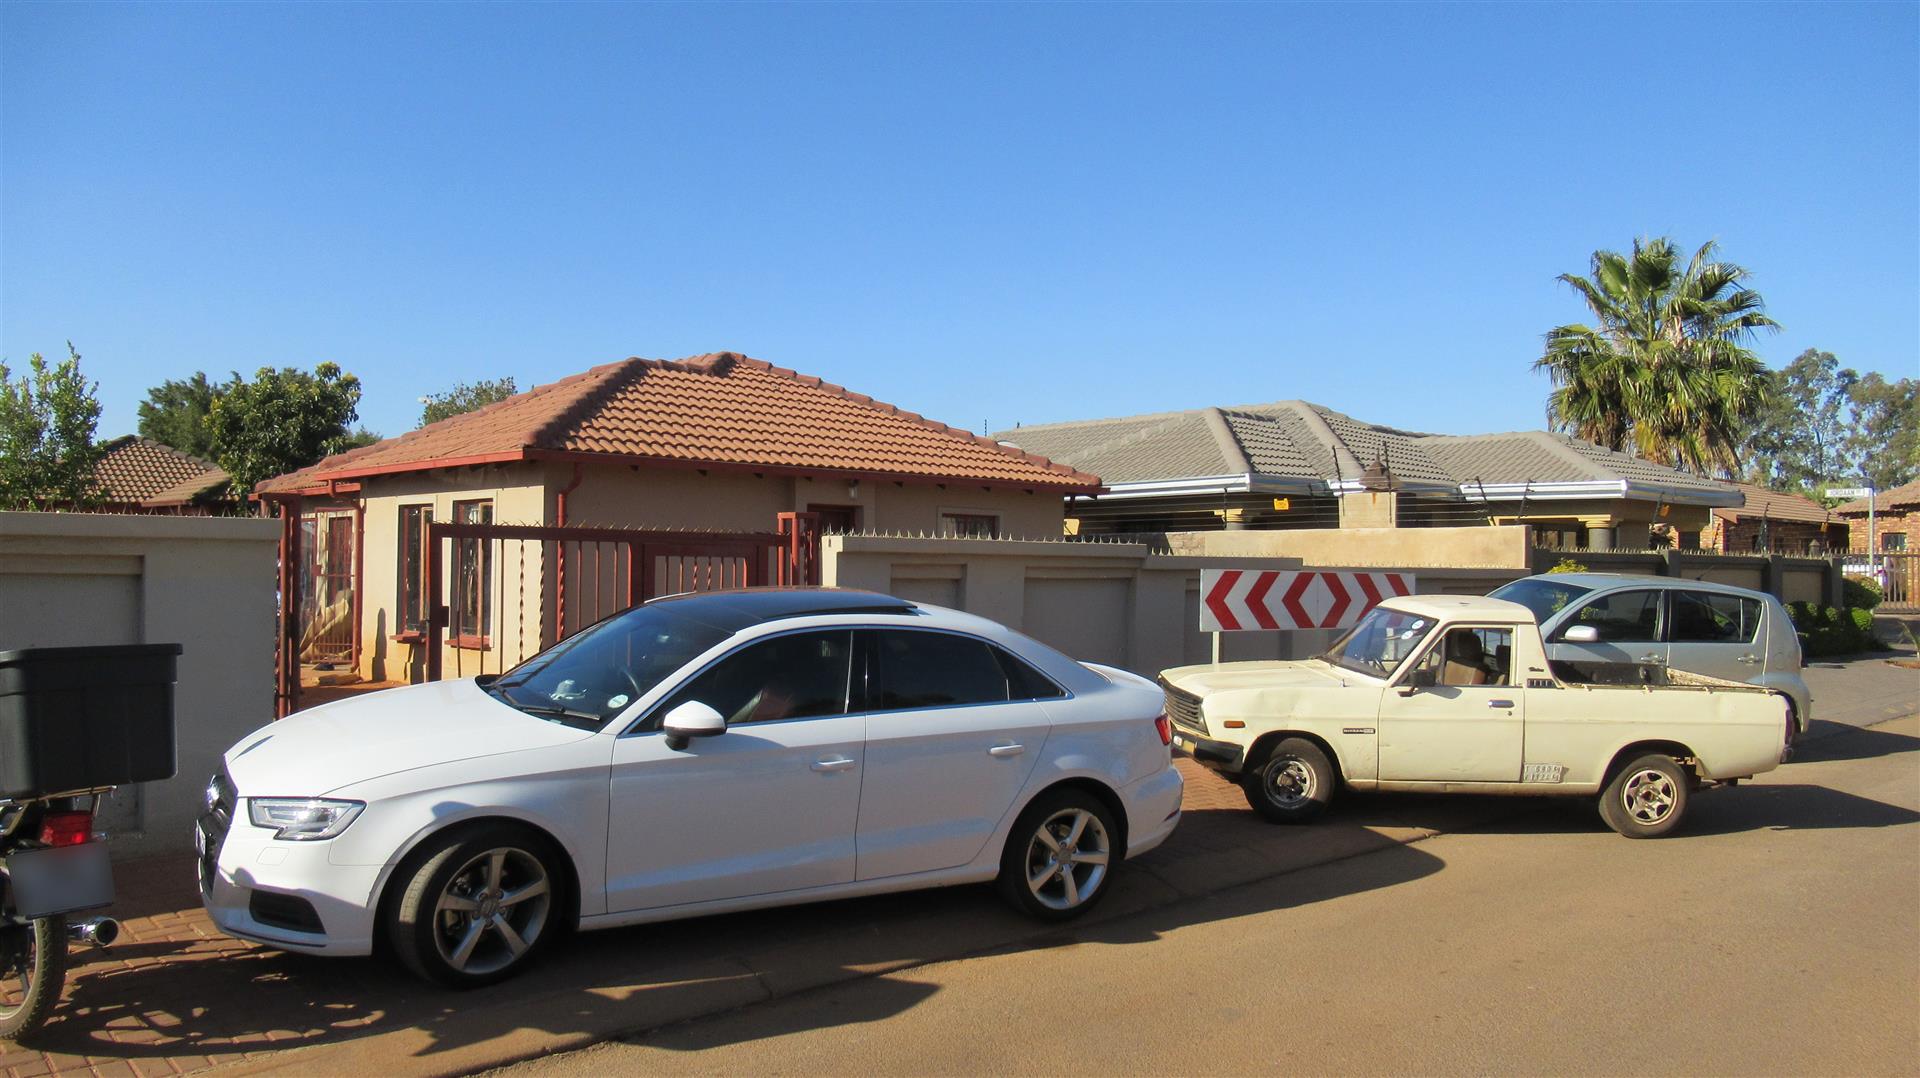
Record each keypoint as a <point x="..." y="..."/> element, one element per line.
<point x="36" y="970"/>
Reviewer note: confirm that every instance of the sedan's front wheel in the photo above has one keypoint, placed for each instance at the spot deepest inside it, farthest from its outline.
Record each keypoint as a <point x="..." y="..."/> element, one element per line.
<point x="479" y="908"/>
<point x="1059" y="855"/>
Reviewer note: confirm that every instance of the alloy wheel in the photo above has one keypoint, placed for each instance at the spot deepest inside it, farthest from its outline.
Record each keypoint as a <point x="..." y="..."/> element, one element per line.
<point x="492" y="911"/>
<point x="1067" y="859"/>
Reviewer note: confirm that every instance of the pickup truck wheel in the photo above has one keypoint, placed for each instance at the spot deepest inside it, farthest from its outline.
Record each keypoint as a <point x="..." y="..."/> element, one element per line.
<point x="1646" y="798"/>
<point x="1293" y="785"/>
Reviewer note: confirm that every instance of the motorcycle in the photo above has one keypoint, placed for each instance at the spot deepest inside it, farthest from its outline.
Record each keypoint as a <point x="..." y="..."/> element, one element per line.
<point x="52" y="865"/>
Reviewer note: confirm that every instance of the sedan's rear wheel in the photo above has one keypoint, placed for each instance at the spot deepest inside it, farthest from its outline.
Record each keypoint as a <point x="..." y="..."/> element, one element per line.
<point x="1059" y="856"/>
<point x="479" y="908"/>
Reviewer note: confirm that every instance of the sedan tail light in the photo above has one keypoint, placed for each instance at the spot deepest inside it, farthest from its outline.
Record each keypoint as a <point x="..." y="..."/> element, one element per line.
<point x="1164" y="727"/>
<point x="66" y="828"/>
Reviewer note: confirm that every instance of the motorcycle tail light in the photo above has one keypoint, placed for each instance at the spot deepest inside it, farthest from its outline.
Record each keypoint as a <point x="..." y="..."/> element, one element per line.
<point x="66" y="828"/>
<point x="1164" y="726"/>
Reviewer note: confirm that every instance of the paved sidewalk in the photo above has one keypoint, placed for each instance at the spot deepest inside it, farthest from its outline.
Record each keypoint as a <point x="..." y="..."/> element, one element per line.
<point x="172" y="997"/>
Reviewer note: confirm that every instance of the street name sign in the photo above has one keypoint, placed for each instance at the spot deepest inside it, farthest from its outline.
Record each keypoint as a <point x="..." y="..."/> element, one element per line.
<point x="1849" y="492"/>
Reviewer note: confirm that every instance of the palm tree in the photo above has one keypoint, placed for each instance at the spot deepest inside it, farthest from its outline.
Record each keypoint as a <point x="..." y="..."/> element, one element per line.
<point x="1667" y="371"/>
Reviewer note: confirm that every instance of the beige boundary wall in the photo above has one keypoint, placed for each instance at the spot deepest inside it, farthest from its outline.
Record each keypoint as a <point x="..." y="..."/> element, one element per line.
<point x="206" y="583"/>
<point x="1488" y="546"/>
<point x="1118" y="603"/>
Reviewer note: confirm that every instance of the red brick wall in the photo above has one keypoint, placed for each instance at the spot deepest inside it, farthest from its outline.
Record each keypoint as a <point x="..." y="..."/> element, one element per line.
<point x="1904" y="522"/>
<point x="1783" y="536"/>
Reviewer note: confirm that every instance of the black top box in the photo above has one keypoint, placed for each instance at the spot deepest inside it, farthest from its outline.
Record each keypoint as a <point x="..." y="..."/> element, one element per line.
<point x="80" y="718"/>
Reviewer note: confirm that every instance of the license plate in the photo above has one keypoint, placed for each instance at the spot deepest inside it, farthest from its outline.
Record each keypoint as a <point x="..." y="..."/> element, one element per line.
<point x="60" y="880"/>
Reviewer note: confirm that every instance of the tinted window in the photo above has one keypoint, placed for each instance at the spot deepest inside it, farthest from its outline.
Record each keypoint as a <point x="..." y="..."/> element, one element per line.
<point x="1543" y="595"/>
<point x="798" y="676"/>
<point x="922" y="669"/>
<point x="593" y="674"/>
<point x="1706" y="617"/>
<point x="1624" y="616"/>
<point x="1023" y="681"/>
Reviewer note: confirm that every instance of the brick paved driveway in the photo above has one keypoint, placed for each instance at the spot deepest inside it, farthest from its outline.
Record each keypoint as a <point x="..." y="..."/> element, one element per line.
<point x="174" y="997"/>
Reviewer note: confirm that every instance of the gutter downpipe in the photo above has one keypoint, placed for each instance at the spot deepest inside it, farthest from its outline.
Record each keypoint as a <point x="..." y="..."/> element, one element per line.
<point x="560" y="553"/>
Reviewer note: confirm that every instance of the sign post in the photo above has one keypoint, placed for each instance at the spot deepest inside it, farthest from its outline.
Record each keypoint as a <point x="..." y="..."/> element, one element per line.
<point x="1241" y="600"/>
<point x="1873" y="552"/>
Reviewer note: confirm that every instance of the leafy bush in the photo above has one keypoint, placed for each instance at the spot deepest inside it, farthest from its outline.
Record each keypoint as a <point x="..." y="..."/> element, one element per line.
<point x="1831" y="630"/>
<point x="1567" y="565"/>
<point x="1861" y="593"/>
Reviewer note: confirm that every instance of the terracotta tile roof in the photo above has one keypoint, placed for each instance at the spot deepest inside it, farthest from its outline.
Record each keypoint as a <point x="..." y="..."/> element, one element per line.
<point x="138" y="470"/>
<point x="1775" y="505"/>
<point x="720" y="409"/>
<point x="1901" y="497"/>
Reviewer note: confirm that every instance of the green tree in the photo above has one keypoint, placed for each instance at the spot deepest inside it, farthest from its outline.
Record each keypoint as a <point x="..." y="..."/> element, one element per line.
<point x="1665" y="370"/>
<point x="47" y="423"/>
<point x="1802" y="438"/>
<point x="1886" y="430"/>
<point x="175" y="414"/>
<point x="465" y="398"/>
<point x="282" y="420"/>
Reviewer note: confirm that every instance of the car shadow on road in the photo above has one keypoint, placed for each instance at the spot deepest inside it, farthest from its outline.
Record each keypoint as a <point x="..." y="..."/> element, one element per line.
<point x="170" y="1000"/>
<point x="1852" y="743"/>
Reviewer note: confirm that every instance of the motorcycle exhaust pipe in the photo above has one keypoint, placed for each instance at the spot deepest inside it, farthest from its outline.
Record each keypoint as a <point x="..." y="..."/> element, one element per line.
<point x="100" y="931"/>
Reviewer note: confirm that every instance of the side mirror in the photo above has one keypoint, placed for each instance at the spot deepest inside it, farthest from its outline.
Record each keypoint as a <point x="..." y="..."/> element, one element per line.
<point x="1581" y="634"/>
<point x="1417" y="680"/>
<point x="690" y="720"/>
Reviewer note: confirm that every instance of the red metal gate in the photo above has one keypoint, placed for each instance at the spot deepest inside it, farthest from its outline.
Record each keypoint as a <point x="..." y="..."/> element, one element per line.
<point x="327" y="608"/>
<point x="504" y="592"/>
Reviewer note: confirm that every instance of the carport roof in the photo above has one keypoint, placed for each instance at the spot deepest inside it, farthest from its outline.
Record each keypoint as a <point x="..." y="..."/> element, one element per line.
<point x="718" y="410"/>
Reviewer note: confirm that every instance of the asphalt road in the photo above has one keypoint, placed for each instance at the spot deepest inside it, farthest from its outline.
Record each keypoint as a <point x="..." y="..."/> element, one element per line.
<point x="1778" y="933"/>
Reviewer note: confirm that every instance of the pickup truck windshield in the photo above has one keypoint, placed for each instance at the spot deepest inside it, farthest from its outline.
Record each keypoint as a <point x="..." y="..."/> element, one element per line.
<point x="1380" y="643"/>
<point x="1542" y="595"/>
<point x="592" y="675"/>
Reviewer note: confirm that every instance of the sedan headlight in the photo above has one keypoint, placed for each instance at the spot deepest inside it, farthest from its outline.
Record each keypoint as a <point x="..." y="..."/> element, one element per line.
<point x="303" y="819"/>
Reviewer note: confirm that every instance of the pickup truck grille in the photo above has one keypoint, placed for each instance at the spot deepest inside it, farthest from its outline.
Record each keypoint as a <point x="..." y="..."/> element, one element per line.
<point x="1184" y="708"/>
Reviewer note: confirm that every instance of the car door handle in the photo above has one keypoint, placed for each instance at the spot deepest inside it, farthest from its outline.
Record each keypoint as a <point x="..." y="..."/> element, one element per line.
<point x="1652" y="660"/>
<point x="1006" y="750"/>
<point x="833" y="763"/>
<point x="1749" y="659"/>
<point x="1500" y="703"/>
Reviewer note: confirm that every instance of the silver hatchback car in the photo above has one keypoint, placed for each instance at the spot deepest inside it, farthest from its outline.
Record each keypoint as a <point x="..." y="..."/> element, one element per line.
<point x="1595" y="620"/>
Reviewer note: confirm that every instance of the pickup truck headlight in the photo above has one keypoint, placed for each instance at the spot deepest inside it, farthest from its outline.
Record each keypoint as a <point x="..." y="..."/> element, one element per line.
<point x="303" y="819"/>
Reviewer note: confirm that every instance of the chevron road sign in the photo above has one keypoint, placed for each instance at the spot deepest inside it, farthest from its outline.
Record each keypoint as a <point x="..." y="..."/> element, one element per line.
<point x="1236" y="600"/>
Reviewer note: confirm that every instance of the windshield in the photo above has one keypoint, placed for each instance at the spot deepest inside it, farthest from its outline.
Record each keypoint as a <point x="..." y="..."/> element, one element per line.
<point x="1380" y="643"/>
<point x="1543" y="595"/>
<point x="589" y="677"/>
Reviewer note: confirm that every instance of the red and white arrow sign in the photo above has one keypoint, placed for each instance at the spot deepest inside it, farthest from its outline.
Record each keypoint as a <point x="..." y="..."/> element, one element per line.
<point x="1236" y="600"/>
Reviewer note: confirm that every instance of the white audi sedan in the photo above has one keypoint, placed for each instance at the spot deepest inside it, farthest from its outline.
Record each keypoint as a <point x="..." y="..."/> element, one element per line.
<point x="694" y="755"/>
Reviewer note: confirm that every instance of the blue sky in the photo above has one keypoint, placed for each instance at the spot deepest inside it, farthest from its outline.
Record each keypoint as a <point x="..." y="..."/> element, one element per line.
<point x="992" y="214"/>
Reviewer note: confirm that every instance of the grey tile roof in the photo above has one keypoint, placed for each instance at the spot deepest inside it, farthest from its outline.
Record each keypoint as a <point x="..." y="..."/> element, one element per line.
<point x="1296" y="439"/>
<point x="1169" y="445"/>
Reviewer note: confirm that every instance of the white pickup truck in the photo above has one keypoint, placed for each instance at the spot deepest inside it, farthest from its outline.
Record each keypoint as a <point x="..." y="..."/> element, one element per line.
<point x="1455" y="694"/>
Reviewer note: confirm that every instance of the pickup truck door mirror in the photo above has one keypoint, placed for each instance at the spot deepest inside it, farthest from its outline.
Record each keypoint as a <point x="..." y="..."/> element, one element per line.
<point x="690" y="720"/>
<point x="1417" y="680"/>
<point x="1581" y="634"/>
